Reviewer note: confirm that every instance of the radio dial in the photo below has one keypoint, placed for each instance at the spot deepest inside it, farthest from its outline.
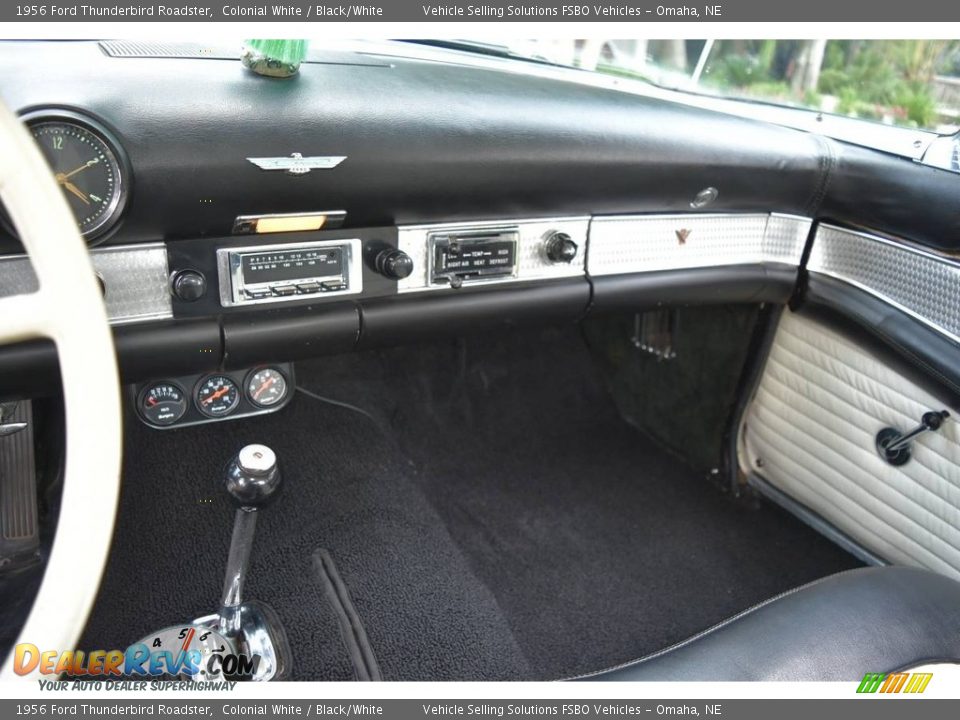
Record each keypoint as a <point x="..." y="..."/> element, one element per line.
<point x="394" y="264"/>
<point x="560" y="247"/>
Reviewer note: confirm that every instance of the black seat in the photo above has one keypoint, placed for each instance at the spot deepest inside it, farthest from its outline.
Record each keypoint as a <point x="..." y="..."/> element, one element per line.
<point x="878" y="619"/>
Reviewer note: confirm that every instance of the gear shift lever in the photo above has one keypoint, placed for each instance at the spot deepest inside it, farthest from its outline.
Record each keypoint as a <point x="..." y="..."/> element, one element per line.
<point x="250" y="629"/>
<point x="253" y="480"/>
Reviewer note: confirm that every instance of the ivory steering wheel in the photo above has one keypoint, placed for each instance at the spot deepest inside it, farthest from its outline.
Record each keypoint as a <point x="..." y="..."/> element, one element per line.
<point x="67" y="308"/>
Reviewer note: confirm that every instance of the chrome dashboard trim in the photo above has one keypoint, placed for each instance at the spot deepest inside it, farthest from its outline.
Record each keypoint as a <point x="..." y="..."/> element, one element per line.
<point x="135" y="277"/>
<point x="532" y="263"/>
<point x="921" y="284"/>
<point x="644" y="243"/>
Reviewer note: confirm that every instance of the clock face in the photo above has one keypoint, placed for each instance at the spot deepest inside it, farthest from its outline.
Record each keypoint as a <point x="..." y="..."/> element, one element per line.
<point x="86" y="166"/>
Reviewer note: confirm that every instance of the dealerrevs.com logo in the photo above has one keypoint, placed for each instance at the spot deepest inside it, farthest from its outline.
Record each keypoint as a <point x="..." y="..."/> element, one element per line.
<point x="901" y="682"/>
<point x="138" y="660"/>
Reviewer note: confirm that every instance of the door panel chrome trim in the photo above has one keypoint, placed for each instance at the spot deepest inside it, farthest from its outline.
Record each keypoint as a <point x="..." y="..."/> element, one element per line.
<point x="919" y="283"/>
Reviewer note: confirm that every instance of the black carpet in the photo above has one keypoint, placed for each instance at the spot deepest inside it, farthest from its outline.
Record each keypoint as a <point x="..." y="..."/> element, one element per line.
<point x="490" y="513"/>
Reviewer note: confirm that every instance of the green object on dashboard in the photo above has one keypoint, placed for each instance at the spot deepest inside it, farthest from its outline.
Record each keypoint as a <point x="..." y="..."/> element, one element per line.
<point x="274" y="58"/>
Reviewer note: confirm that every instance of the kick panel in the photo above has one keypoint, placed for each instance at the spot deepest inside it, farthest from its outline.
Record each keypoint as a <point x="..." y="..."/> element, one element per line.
<point x="811" y="432"/>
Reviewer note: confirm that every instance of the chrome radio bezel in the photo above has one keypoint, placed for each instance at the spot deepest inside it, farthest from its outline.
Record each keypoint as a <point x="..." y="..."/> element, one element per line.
<point x="231" y="281"/>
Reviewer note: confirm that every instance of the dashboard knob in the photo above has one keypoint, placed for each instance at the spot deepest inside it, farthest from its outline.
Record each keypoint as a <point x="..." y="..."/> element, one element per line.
<point x="560" y="247"/>
<point x="189" y="285"/>
<point x="394" y="264"/>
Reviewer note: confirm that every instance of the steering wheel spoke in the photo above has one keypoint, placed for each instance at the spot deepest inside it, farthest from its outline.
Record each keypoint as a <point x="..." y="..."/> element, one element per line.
<point x="23" y="317"/>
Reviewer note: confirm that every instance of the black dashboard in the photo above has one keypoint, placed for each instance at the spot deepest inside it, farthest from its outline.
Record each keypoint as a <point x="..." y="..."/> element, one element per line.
<point x="422" y="141"/>
<point x="426" y="196"/>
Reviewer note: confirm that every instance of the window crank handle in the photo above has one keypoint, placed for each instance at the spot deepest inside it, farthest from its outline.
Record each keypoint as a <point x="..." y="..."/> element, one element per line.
<point x="894" y="446"/>
<point x="930" y="421"/>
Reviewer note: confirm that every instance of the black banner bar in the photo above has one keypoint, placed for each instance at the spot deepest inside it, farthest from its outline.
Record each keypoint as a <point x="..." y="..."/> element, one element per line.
<point x="72" y="704"/>
<point x="458" y="11"/>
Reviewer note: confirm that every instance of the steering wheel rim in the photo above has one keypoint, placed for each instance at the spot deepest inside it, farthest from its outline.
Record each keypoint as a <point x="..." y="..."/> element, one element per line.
<point x="67" y="308"/>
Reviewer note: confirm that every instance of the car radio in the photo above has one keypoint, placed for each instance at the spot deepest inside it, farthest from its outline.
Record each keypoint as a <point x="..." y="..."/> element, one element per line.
<point x="293" y="271"/>
<point x="463" y="257"/>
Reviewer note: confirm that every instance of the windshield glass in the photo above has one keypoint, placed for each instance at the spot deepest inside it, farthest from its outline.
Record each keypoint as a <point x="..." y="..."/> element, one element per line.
<point x="909" y="83"/>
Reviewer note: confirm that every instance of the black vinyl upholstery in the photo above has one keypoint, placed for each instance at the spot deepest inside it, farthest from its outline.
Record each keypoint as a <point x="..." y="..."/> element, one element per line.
<point x="877" y="619"/>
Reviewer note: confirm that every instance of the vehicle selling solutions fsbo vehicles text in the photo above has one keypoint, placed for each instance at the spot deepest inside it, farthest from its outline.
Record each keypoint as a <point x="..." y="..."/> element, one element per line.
<point x="582" y="11"/>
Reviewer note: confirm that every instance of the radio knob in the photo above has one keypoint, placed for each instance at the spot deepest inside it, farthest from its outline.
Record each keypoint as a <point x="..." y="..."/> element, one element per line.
<point x="189" y="285"/>
<point x="394" y="264"/>
<point x="560" y="247"/>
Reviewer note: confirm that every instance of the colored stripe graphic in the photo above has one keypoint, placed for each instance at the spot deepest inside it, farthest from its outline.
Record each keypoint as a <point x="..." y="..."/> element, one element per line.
<point x="918" y="682"/>
<point x="894" y="682"/>
<point x="870" y="683"/>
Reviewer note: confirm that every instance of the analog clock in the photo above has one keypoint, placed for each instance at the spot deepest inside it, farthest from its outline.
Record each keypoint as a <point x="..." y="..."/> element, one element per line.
<point x="88" y="166"/>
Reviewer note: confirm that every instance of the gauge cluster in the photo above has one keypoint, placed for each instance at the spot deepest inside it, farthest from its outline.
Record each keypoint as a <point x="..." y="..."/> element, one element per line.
<point x="194" y="399"/>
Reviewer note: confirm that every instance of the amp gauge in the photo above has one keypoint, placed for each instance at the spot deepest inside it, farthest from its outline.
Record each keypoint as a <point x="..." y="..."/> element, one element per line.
<point x="162" y="403"/>
<point x="266" y="387"/>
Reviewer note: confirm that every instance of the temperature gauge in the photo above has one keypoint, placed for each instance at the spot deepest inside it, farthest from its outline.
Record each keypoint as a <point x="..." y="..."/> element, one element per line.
<point x="217" y="396"/>
<point x="162" y="403"/>
<point x="266" y="387"/>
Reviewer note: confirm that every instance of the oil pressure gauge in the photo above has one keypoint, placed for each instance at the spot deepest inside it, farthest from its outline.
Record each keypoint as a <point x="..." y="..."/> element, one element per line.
<point x="266" y="387"/>
<point x="217" y="396"/>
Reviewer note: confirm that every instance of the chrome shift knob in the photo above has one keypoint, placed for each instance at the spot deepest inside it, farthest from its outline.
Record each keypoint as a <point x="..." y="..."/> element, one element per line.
<point x="253" y="477"/>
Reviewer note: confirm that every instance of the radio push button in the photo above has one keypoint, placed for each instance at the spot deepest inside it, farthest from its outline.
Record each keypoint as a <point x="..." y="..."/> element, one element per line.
<point x="284" y="290"/>
<point x="308" y="287"/>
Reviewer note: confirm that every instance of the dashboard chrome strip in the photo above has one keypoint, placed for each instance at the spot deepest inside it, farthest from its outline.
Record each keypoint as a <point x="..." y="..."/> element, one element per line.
<point x="135" y="278"/>
<point x="921" y="284"/>
<point x="532" y="263"/>
<point x="644" y="243"/>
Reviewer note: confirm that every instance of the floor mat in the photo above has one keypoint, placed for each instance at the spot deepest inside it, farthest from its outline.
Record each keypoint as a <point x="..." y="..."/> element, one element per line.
<point x="346" y="489"/>
<point x="489" y="511"/>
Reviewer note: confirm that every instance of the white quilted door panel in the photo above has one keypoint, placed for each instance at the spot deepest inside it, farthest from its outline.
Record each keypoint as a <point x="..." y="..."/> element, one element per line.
<point x="810" y="433"/>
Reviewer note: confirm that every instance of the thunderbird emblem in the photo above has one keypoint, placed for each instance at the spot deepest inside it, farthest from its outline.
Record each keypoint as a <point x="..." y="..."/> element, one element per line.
<point x="297" y="164"/>
<point x="682" y="235"/>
